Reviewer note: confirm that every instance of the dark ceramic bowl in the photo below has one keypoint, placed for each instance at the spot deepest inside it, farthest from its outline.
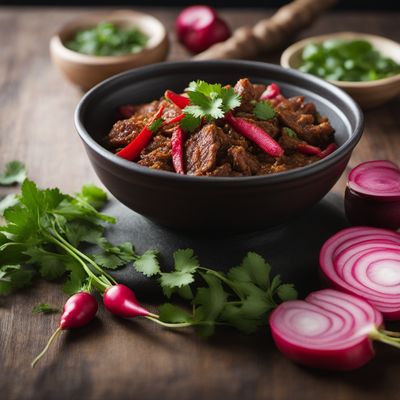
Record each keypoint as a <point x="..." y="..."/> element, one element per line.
<point x="211" y="203"/>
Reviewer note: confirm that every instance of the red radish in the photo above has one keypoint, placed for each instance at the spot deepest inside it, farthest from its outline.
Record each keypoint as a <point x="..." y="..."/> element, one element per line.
<point x="365" y="262"/>
<point x="328" y="150"/>
<point x="308" y="149"/>
<point x="378" y="179"/>
<point x="329" y="330"/>
<point x="270" y="92"/>
<point x="199" y="27"/>
<point x="121" y="301"/>
<point x="78" y="311"/>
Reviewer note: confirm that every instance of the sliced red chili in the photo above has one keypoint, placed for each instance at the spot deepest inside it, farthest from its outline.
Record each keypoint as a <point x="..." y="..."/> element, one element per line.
<point x="328" y="150"/>
<point x="179" y="100"/>
<point x="134" y="148"/>
<point x="177" y="142"/>
<point x="256" y="134"/>
<point x="308" y="149"/>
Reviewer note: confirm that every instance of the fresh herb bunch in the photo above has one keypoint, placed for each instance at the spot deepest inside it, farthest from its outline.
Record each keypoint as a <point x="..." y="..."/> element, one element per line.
<point x="43" y="232"/>
<point x="207" y="102"/>
<point x="347" y="60"/>
<point x="107" y="39"/>
<point x="242" y="298"/>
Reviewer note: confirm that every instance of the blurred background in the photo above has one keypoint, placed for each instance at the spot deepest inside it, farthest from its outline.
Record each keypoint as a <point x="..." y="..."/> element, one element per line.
<point x="345" y="5"/>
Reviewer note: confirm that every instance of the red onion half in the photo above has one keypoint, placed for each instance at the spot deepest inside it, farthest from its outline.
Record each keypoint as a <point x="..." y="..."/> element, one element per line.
<point x="365" y="262"/>
<point x="199" y="27"/>
<point x="329" y="330"/>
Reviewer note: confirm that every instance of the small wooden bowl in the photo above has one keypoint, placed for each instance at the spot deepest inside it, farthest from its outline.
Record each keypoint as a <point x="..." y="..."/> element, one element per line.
<point x="86" y="70"/>
<point x="367" y="94"/>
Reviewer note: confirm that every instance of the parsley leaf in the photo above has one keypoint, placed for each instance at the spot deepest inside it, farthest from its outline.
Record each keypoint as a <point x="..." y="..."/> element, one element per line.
<point x="93" y="195"/>
<point x="287" y="292"/>
<point x="8" y="201"/>
<point x="44" y="308"/>
<point x="290" y="132"/>
<point x="263" y="110"/>
<point x="14" y="277"/>
<point x="15" y="172"/>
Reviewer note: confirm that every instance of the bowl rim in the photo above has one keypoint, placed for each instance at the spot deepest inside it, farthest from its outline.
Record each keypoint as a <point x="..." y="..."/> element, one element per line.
<point x="280" y="177"/>
<point x="287" y="54"/>
<point x="57" y="44"/>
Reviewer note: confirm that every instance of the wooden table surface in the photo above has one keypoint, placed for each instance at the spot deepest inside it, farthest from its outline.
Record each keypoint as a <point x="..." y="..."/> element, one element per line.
<point x="114" y="359"/>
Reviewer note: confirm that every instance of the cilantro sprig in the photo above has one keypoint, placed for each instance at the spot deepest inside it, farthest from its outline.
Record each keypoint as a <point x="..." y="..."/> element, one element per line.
<point x="43" y="236"/>
<point x="207" y="102"/>
<point x="242" y="298"/>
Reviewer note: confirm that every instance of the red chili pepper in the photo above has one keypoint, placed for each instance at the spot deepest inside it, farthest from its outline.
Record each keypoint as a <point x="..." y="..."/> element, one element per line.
<point x="177" y="142"/>
<point x="270" y="92"/>
<point x="134" y="148"/>
<point x="126" y="111"/>
<point x="174" y="120"/>
<point x="256" y="134"/>
<point x="179" y="100"/>
<point x="308" y="149"/>
<point x="328" y="150"/>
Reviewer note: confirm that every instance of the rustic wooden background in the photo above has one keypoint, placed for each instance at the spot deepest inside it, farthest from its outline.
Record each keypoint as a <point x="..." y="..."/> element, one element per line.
<point x="111" y="358"/>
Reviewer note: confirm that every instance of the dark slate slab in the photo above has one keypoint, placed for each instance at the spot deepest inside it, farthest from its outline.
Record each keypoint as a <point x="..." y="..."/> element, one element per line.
<point x="291" y="249"/>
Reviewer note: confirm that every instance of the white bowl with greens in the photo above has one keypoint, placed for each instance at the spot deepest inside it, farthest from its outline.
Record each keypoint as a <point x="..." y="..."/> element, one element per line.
<point x="366" y="66"/>
<point x="94" y="47"/>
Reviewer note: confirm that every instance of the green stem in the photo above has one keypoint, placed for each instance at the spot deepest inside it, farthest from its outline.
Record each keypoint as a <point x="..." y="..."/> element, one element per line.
<point x="85" y="267"/>
<point x="88" y="259"/>
<point x="43" y="352"/>
<point x="388" y="337"/>
<point x="224" y="279"/>
<point x="182" y="324"/>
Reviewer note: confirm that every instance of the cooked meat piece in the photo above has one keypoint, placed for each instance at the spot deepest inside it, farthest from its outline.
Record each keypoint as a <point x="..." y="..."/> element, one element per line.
<point x="290" y="114"/>
<point x="289" y="143"/>
<point x="201" y="150"/>
<point x="223" y="170"/>
<point x="243" y="161"/>
<point x="124" y="131"/>
<point x="248" y="94"/>
<point x="157" y="154"/>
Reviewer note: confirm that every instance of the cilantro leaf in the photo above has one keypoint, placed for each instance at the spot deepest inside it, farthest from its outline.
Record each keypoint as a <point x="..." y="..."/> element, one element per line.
<point x="116" y="256"/>
<point x="147" y="263"/>
<point x="8" y="201"/>
<point x="207" y="102"/>
<point x="44" y="308"/>
<point x="185" y="260"/>
<point x="14" y="277"/>
<point x="263" y="110"/>
<point x="287" y="292"/>
<point x="156" y="125"/>
<point x="176" y="279"/>
<point x="290" y="132"/>
<point x="170" y="313"/>
<point x="76" y="278"/>
<point x="190" y="123"/>
<point x="93" y="195"/>
<point x="14" y="172"/>
<point x="83" y="231"/>
<point x="51" y="265"/>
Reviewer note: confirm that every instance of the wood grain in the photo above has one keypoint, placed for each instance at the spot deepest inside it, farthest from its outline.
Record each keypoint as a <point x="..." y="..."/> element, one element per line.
<point x="114" y="359"/>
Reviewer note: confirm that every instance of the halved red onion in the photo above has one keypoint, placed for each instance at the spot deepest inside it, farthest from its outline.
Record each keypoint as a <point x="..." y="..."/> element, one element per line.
<point x="371" y="211"/>
<point x="329" y="330"/>
<point x="378" y="179"/>
<point x="366" y="262"/>
<point x="194" y="18"/>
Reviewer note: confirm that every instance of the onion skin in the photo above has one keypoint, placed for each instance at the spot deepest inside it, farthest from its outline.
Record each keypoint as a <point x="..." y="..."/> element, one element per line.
<point x="362" y="210"/>
<point x="342" y="345"/>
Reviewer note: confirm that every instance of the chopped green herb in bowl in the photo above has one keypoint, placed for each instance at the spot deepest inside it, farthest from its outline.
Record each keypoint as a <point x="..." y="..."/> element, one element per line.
<point x="347" y="60"/>
<point x="108" y="39"/>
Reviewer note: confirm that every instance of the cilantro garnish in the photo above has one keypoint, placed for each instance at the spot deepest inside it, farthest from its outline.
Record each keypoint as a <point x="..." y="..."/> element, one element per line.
<point x="264" y="110"/>
<point x="241" y="298"/>
<point x="45" y="229"/>
<point x="290" y="132"/>
<point x="156" y="124"/>
<point x="207" y="102"/>
<point x="45" y="308"/>
<point x="14" y="172"/>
